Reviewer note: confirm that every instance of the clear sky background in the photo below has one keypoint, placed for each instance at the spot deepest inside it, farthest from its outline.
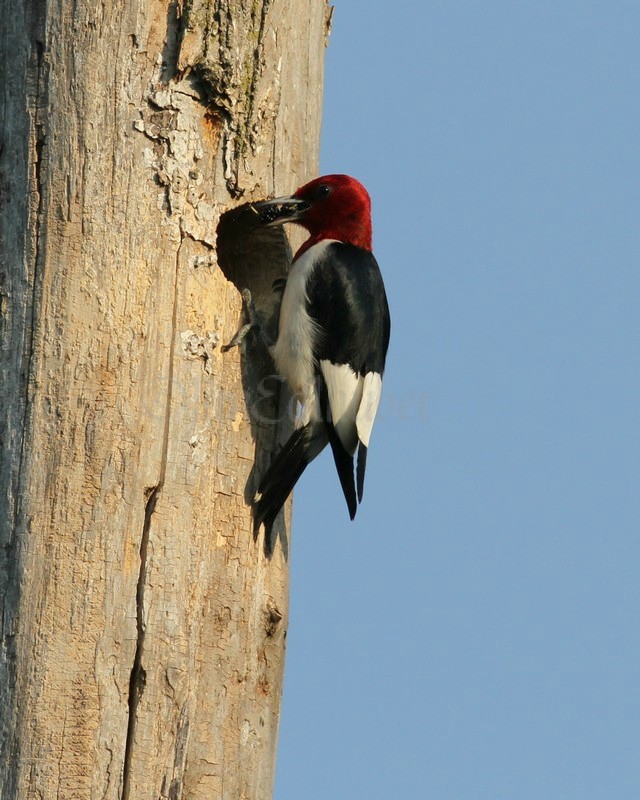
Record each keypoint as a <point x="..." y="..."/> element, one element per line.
<point x="474" y="634"/>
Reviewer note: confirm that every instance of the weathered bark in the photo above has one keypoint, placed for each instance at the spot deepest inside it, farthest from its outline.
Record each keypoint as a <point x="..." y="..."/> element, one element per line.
<point x="142" y="629"/>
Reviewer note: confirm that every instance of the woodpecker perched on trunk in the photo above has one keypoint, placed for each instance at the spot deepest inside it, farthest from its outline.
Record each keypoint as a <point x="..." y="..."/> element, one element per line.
<point x="332" y="340"/>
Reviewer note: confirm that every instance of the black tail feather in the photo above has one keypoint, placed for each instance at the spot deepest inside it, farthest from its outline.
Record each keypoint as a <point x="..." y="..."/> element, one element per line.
<point x="343" y="459"/>
<point x="283" y="473"/>
<point x="362" y="465"/>
<point x="344" y="465"/>
<point x="279" y="480"/>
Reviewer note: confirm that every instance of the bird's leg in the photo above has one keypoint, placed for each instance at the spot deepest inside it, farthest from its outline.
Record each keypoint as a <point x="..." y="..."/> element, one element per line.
<point x="254" y="323"/>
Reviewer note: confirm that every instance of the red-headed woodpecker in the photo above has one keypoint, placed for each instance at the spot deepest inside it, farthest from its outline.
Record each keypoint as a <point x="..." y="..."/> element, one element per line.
<point x="332" y="340"/>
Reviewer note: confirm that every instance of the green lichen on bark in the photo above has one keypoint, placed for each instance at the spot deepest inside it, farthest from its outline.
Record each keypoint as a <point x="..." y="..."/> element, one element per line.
<point x="227" y="61"/>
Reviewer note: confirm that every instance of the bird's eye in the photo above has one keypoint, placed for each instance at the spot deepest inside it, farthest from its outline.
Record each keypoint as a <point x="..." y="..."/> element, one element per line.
<point x="323" y="190"/>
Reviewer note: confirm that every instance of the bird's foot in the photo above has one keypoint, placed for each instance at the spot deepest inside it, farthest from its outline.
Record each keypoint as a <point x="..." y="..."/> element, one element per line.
<point x="253" y="323"/>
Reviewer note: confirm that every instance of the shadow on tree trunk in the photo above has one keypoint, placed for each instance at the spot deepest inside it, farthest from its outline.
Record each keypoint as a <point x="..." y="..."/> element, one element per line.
<point x="253" y="257"/>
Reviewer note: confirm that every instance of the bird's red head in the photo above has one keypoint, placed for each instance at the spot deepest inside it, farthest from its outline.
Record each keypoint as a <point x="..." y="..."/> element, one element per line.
<point x="339" y="208"/>
<point x="330" y="207"/>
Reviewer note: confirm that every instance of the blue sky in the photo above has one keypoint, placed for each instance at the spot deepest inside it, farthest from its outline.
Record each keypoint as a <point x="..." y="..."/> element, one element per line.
<point x="473" y="635"/>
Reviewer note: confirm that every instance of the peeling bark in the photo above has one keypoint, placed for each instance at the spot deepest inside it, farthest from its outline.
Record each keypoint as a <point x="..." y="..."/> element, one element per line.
<point x="142" y="630"/>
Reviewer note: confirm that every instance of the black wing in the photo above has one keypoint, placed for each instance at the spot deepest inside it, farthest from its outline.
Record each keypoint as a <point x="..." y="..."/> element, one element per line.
<point x="347" y="300"/>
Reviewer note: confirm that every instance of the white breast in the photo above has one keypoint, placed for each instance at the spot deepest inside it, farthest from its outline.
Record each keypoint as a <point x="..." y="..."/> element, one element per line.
<point x="297" y="332"/>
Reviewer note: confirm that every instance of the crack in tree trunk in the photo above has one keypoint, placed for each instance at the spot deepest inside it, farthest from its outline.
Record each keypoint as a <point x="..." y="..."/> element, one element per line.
<point x="138" y="674"/>
<point x="38" y="138"/>
<point x="137" y="680"/>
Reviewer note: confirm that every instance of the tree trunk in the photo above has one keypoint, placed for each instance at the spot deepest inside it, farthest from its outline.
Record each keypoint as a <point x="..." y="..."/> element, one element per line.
<point x="142" y="628"/>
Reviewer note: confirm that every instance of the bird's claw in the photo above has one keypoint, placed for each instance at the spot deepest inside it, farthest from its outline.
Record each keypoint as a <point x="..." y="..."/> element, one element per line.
<point x="254" y="322"/>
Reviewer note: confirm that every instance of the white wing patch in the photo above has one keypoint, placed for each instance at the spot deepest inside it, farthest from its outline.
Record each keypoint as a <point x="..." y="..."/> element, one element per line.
<point x="344" y="388"/>
<point x="353" y="401"/>
<point x="371" y="391"/>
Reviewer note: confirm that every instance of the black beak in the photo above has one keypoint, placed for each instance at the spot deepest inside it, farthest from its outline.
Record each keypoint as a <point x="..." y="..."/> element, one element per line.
<point x="280" y="210"/>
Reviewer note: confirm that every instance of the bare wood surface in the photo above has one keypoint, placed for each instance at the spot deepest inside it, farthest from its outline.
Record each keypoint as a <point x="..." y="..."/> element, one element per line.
<point x="142" y="629"/>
